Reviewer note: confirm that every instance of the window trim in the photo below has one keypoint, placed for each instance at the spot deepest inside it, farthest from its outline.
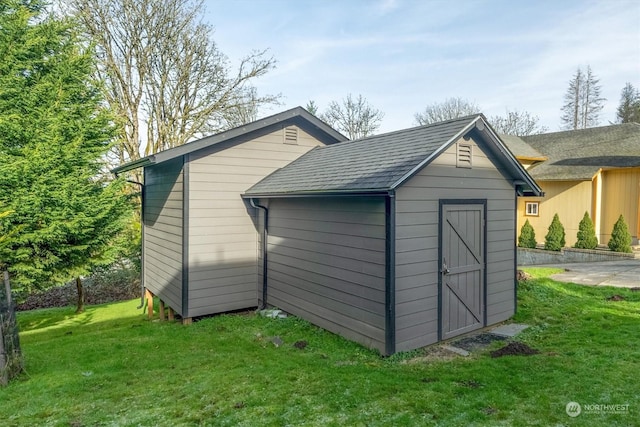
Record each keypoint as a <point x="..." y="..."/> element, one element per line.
<point x="529" y="212"/>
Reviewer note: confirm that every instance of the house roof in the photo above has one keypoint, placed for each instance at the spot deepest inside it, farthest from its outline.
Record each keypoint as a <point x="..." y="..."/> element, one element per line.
<point x="579" y="154"/>
<point x="380" y="163"/>
<point x="298" y="116"/>
<point x="520" y="149"/>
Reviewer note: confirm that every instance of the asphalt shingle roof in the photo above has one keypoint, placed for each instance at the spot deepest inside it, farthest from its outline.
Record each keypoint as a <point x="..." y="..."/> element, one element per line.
<point x="579" y="154"/>
<point x="521" y="149"/>
<point x="374" y="163"/>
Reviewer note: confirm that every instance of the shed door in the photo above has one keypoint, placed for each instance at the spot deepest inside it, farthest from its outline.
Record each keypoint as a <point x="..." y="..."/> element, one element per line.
<point x="462" y="270"/>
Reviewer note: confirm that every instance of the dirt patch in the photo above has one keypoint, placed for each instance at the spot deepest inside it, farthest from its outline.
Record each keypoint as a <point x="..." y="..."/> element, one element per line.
<point x="616" y="297"/>
<point x="522" y="276"/>
<point x="514" y="348"/>
<point x="476" y="342"/>
<point x="300" y="345"/>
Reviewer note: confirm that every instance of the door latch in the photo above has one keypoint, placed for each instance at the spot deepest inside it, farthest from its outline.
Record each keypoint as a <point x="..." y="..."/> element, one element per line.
<point x="445" y="269"/>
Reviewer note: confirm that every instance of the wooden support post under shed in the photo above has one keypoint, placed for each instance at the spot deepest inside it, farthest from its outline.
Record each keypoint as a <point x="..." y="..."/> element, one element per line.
<point x="149" y="296"/>
<point x="161" y="310"/>
<point x="171" y="315"/>
<point x="187" y="321"/>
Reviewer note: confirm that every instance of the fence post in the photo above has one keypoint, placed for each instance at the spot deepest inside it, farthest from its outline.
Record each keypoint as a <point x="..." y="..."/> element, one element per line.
<point x="10" y="354"/>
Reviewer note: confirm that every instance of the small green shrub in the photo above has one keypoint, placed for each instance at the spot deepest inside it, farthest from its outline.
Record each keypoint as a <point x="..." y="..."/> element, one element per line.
<point x="620" y="237"/>
<point x="527" y="237"/>
<point x="586" y="234"/>
<point x="555" y="238"/>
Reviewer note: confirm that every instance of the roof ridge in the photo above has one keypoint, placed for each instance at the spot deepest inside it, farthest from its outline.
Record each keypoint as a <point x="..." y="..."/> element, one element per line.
<point x="577" y="131"/>
<point x="403" y="131"/>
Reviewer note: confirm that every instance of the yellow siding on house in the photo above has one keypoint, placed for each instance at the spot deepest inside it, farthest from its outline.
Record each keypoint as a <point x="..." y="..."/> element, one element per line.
<point x="620" y="196"/>
<point x="569" y="199"/>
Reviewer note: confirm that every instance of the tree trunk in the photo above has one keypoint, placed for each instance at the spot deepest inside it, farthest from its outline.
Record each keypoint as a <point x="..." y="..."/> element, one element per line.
<point x="80" y="289"/>
<point x="10" y="354"/>
<point x="4" y="372"/>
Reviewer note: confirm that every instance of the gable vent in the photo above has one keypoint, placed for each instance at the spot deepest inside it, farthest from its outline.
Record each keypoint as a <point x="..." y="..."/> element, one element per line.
<point x="291" y="135"/>
<point x="464" y="155"/>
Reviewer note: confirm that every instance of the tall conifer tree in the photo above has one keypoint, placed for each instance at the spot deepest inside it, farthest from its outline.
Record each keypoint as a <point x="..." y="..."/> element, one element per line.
<point x="54" y="134"/>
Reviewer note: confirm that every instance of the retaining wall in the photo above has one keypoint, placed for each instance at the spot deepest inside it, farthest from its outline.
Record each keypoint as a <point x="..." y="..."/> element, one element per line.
<point x="568" y="255"/>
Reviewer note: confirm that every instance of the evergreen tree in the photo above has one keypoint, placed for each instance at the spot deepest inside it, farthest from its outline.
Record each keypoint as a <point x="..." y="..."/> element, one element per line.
<point x="555" y="238"/>
<point x="586" y="234"/>
<point x="583" y="101"/>
<point x="527" y="237"/>
<point x="629" y="108"/>
<point x="55" y="133"/>
<point x="620" y="237"/>
<point x="312" y="107"/>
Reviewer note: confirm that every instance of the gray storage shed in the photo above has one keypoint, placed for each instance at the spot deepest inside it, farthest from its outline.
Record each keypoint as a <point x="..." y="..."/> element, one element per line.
<point x="395" y="241"/>
<point x="200" y="242"/>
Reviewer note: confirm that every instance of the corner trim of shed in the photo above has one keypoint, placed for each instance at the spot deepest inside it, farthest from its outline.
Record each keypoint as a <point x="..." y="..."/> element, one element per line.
<point x="390" y="273"/>
<point x="185" y="237"/>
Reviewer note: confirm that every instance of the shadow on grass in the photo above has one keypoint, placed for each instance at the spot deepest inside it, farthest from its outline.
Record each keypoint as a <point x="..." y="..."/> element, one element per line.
<point x="37" y="321"/>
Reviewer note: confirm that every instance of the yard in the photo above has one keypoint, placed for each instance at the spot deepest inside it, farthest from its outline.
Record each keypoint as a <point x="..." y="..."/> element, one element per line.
<point x="111" y="366"/>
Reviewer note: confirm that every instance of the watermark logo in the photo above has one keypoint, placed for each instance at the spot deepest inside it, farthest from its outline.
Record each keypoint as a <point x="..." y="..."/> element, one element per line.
<point x="573" y="409"/>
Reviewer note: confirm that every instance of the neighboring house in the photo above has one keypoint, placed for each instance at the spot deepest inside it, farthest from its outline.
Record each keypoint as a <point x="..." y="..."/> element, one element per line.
<point x="200" y="243"/>
<point x="593" y="170"/>
<point x="395" y="241"/>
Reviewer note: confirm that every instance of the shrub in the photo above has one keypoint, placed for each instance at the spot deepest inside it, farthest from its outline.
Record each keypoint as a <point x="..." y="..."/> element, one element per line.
<point x="555" y="238"/>
<point x="527" y="237"/>
<point x="620" y="237"/>
<point x="586" y="234"/>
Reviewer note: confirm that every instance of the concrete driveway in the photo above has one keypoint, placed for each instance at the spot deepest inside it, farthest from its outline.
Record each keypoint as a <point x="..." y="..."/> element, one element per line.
<point x="624" y="274"/>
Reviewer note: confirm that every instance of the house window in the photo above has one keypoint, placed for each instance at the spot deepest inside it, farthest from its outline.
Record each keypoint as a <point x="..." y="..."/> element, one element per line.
<point x="531" y="209"/>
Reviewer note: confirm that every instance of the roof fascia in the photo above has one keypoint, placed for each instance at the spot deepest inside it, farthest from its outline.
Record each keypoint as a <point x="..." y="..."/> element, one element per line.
<point x="145" y="161"/>
<point x="333" y="193"/>
<point x="532" y="158"/>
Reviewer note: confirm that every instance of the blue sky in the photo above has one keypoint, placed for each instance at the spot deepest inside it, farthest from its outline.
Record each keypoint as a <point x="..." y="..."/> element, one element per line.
<point x="403" y="55"/>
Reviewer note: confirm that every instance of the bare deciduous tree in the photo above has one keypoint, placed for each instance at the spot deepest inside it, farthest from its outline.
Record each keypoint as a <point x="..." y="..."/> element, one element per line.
<point x="354" y="117"/>
<point x="583" y="102"/>
<point x="451" y="108"/>
<point x="520" y="123"/>
<point x="164" y="75"/>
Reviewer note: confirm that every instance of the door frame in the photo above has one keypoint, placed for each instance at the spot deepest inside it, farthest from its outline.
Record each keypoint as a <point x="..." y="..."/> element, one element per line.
<point x="441" y="204"/>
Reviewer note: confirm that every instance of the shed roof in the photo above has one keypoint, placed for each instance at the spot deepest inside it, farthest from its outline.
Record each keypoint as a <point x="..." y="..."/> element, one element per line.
<point x="579" y="154"/>
<point x="380" y="163"/>
<point x="298" y="116"/>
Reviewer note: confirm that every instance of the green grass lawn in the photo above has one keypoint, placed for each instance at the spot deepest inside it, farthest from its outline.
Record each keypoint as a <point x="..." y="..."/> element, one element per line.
<point x="111" y="366"/>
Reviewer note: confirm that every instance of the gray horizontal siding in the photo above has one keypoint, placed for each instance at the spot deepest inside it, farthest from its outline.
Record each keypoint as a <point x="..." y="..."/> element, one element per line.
<point x="327" y="265"/>
<point x="417" y="231"/>
<point x="224" y="264"/>
<point x="162" y="232"/>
